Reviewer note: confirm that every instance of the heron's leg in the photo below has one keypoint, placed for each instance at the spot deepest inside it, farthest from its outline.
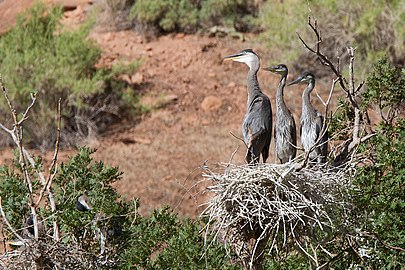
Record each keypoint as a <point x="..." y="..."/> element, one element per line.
<point x="252" y="156"/>
<point x="265" y="153"/>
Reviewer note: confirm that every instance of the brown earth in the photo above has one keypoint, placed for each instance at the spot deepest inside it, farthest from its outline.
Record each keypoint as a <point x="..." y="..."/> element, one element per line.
<point x="198" y="102"/>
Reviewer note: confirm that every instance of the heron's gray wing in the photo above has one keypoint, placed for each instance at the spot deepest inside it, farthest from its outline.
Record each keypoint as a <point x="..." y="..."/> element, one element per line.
<point x="257" y="119"/>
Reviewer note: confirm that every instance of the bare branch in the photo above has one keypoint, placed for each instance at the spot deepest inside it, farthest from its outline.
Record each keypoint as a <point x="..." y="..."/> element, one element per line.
<point x="17" y="138"/>
<point x="239" y="138"/>
<point x="52" y="173"/>
<point x="25" y="114"/>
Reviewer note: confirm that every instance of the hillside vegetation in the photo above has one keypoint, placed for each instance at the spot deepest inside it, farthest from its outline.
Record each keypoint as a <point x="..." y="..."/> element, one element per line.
<point x="375" y="28"/>
<point x="38" y="57"/>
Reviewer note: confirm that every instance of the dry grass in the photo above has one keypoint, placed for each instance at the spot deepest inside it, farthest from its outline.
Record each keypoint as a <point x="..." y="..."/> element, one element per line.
<point x="271" y="204"/>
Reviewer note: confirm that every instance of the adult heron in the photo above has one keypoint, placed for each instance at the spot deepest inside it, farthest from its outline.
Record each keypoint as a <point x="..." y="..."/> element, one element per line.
<point x="285" y="134"/>
<point x="257" y="124"/>
<point x="311" y="122"/>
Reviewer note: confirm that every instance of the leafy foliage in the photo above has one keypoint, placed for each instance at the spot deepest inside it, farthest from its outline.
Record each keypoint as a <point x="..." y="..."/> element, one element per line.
<point x="381" y="201"/>
<point x="109" y="212"/>
<point x="385" y="87"/>
<point x="164" y="241"/>
<point x="374" y="28"/>
<point x="375" y="226"/>
<point x="167" y="15"/>
<point x="14" y="196"/>
<point x="37" y="56"/>
<point x="189" y="15"/>
<point x="161" y="241"/>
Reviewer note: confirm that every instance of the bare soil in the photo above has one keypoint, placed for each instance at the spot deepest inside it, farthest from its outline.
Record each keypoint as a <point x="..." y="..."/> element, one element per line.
<point x="197" y="101"/>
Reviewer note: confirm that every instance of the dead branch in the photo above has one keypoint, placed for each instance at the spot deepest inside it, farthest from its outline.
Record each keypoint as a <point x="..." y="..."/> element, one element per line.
<point x="16" y="134"/>
<point x="352" y="91"/>
<point x="52" y="173"/>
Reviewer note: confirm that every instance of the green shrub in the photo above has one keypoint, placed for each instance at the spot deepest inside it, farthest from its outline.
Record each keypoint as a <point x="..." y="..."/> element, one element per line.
<point x="161" y="241"/>
<point x="165" y="241"/>
<point x="37" y="56"/>
<point x="14" y="196"/>
<point x="189" y="15"/>
<point x="380" y="199"/>
<point x="168" y="16"/>
<point x="385" y="86"/>
<point x="375" y="227"/>
<point x="374" y="28"/>
<point x="379" y="186"/>
<point x="81" y="175"/>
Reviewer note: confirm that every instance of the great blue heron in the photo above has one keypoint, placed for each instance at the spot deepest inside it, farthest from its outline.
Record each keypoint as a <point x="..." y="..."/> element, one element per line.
<point x="311" y="122"/>
<point x="82" y="203"/>
<point x="285" y="134"/>
<point x="257" y="124"/>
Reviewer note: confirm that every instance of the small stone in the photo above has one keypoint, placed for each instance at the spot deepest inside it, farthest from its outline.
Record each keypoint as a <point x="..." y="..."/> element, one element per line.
<point x="109" y="36"/>
<point x="180" y="35"/>
<point x="211" y="103"/>
<point x="231" y="84"/>
<point x="137" y="78"/>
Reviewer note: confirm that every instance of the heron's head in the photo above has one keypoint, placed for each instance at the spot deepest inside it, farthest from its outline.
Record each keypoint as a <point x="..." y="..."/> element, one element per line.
<point x="279" y="69"/>
<point x="305" y="77"/>
<point x="82" y="203"/>
<point x="248" y="56"/>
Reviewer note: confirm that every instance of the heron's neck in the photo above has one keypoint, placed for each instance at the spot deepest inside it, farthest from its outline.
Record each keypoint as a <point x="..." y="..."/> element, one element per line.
<point x="307" y="107"/>
<point x="280" y="103"/>
<point x="252" y="82"/>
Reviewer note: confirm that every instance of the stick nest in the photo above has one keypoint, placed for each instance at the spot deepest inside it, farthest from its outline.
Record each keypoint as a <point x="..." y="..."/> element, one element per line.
<point x="273" y="202"/>
<point x="44" y="254"/>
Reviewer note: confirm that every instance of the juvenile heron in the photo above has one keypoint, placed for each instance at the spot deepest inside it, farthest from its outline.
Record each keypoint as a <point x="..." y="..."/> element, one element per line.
<point x="311" y="122"/>
<point x="285" y="134"/>
<point x="257" y="124"/>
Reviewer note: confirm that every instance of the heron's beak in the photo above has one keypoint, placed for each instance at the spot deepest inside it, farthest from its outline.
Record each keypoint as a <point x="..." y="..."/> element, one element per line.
<point x="299" y="79"/>
<point x="233" y="57"/>
<point x="272" y="69"/>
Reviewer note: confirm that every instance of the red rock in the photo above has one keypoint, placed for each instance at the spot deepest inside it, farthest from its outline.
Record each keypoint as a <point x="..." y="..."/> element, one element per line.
<point x="211" y="103"/>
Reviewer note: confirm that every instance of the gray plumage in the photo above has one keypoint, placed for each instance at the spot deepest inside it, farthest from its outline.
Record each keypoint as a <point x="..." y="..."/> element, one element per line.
<point x="311" y="122"/>
<point x="285" y="134"/>
<point x="257" y="124"/>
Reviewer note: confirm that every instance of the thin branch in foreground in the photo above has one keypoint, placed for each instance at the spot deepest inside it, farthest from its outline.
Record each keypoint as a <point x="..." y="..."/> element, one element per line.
<point x="239" y="138"/>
